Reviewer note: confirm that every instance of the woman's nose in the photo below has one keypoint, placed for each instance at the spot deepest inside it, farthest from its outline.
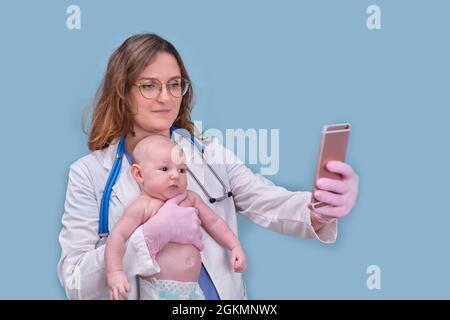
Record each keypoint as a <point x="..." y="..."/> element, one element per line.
<point x="164" y="94"/>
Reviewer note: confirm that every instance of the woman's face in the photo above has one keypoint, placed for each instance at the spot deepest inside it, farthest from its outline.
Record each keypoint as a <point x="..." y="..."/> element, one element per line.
<point x="156" y="115"/>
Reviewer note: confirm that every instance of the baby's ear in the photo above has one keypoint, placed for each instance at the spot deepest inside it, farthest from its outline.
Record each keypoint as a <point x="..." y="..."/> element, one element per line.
<point x="136" y="172"/>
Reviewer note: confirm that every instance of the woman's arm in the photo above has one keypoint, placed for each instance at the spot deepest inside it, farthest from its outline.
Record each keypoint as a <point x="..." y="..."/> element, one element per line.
<point x="269" y="205"/>
<point x="81" y="268"/>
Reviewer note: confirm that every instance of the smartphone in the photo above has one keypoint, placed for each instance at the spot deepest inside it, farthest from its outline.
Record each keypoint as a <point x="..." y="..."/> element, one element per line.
<point x="333" y="146"/>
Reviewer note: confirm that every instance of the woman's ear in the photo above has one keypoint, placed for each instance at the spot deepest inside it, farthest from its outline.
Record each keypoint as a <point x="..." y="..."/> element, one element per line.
<point x="136" y="172"/>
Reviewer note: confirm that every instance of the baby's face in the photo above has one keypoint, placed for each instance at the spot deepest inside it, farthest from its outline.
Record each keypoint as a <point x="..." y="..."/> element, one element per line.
<point x="164" y="172"/>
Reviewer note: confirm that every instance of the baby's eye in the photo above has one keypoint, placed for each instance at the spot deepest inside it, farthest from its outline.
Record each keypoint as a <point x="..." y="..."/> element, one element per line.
<point x="182" y="170"/>
<point x="164" y="169"/>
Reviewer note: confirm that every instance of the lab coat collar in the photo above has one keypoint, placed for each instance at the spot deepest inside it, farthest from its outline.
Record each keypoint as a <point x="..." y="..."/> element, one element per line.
<point x="109" y="155"/>
<point x="125" y="185"/>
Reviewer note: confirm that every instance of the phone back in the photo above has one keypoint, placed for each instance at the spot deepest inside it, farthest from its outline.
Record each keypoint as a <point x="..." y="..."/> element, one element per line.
<point x="333" y="146"/>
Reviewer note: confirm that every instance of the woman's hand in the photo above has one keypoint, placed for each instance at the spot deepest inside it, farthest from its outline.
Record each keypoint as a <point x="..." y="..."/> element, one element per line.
<point x="340" y="195"/>
<point x="172" y="223"/>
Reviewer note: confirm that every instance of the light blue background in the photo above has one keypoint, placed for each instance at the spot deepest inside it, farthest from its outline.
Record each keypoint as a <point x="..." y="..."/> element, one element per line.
<point x="292" y="65"/>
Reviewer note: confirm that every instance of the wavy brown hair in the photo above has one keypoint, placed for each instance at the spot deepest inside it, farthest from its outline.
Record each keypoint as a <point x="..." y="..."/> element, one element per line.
<point x="111" y="115"/>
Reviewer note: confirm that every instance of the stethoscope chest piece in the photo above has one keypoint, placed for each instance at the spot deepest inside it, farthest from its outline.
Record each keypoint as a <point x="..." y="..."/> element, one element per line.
<point x="101" y="241"/>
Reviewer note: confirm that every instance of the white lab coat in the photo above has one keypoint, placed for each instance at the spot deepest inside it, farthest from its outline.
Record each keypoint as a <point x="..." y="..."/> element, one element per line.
<point x="81" y="266"/>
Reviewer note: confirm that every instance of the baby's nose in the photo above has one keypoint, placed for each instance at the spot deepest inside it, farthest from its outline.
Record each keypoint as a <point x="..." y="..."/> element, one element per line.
<point x="174" y="174"/>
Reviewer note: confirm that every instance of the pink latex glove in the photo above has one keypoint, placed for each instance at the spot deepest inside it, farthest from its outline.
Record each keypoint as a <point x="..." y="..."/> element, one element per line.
<point x="341" y="195"/>
<point x="172" y="223"/>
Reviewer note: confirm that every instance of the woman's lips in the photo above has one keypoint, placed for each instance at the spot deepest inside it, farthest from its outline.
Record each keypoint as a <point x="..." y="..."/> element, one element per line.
<point x="161" y="111"/>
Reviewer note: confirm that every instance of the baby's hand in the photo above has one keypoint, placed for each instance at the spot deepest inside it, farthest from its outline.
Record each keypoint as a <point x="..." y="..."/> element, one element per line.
<point x="118" y="285"/>
<point x="238" y="259"/>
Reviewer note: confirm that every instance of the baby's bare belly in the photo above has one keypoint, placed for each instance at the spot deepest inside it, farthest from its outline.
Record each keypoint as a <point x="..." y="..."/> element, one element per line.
<point x="181" y="262"/>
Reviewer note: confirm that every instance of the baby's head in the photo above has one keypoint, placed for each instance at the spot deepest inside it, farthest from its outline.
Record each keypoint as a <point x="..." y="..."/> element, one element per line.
<point x="160" y="167"/>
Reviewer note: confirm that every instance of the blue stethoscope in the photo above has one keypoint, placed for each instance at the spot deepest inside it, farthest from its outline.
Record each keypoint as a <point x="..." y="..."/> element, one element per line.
<point x="103" y="231"/>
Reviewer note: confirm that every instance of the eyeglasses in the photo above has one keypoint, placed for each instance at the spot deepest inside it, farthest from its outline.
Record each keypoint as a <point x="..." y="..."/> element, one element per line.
<point x="151" y="88"/>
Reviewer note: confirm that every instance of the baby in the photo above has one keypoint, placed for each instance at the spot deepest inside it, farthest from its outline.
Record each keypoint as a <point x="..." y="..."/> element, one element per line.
<point x="160" y="171"/>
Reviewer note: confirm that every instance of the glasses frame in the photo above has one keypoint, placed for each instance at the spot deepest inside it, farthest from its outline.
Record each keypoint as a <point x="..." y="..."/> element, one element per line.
<point x="139" y="85"/>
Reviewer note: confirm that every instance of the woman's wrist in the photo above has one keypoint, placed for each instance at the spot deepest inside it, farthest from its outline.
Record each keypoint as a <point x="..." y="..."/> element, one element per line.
<point x="316" y="224"/>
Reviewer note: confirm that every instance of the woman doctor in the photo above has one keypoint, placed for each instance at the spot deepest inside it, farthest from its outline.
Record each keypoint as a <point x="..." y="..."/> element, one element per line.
<point x="146" y="90"/>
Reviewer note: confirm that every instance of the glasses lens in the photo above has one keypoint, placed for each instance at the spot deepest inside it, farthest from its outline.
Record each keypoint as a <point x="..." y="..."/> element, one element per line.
<point x="178" y="87"/>
<point x="150" y="89"/>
